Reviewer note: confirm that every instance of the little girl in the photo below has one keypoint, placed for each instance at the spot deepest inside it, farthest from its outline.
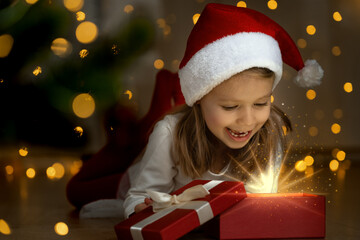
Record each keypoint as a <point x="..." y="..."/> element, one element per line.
<point x="228" y="129"/>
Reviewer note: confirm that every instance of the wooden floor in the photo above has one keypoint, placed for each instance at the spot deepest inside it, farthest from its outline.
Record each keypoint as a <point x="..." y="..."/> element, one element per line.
<point x="31" y="207"/>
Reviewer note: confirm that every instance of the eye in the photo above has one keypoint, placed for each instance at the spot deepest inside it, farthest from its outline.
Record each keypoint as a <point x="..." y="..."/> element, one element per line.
<point x="229" y="108"/>
<point x="261" y="104"/>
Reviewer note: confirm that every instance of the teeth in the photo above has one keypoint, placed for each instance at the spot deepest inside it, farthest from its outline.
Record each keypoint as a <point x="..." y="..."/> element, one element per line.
<point x="241" y="134"/>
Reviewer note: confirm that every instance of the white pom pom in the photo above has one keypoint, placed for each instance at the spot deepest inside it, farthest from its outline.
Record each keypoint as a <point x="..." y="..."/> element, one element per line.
<point x="310" y="75"/>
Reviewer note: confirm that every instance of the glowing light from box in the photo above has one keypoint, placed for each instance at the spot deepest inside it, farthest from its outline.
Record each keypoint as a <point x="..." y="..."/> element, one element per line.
<point x="61" y="228"/>
<point x="310" y="29"/>
<point x="128" y="92"/>
<point x="195" y="18"/>
<point x="80" y="16"/>
<point x="6" y="43"/>
<point x="61" y="47"/>
<point x="30" y="173"/>
<point x="83" y="105"/>
<point x="86" y="32"/>
<point x="73" y="5"/>
<point x="301" y="43"/>
<point x="313" y="131"/>
<point x="338" y="113"/>
<point x="50" y="172"/>
<point x="241" y="4"/>
<point x="337" y="16"/>
<point x="159" y="64"/>
<point x="9" y="169"/>
<point x="79" y="130"/>
<point x="309" y="160"/>
<point x="300" y="166"/>
<point x="37" y="71"/>
<point x="348" y="87"/>
<point x="340" y="155"/>
<point x="311" y="94"/>
<point x="75" y="167"/>
<point x="336" y="51"/>
<point x="334" y="165"/>
<point x="83" y="53"/>
<point x="128" y="8"/>
<point x="335" y="128"/>
<point x="4" y="227"/>
<point x="23" y="152"/>
<point x="31" y="1"/>
<point x="272" y="4"/>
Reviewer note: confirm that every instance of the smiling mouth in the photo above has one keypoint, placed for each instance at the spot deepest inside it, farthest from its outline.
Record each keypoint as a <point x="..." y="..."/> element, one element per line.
<point x="237" y="134"/>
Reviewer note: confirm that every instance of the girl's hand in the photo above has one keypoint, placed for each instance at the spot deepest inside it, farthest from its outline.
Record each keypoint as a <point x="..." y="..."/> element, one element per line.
<point x="144" y="205"/>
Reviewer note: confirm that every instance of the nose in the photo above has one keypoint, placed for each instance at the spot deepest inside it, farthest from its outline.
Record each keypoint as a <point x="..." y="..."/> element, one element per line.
<point x="246" y="116"/>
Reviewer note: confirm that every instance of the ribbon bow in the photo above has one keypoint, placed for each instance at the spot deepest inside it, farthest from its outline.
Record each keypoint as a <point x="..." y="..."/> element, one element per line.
<point x="164" y="200"/>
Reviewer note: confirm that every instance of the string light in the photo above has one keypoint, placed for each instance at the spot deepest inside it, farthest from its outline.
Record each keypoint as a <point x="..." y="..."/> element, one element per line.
<point x="340" y="155"/>
<point x="79" y="130"/>
<point x="73" y="5"/>
<point x="128" y="92"/>
<point x="6" y="43"/>
<point x="9" y="169"/>
<point x="83" y="105"/>
<point x="86" y="32"/>
<point x="335" y="128"/>
<point x="37" y="71"/>
<point x="83" y="53"/>
<point x="310" y="29"/>
<point x="336" y="51"/>
<point x="61" y="47"/>
<point x="311" y="94"/>
<point x="61" y="228"/>
<point x="241" y="4"/>
<point x="301" y="43"/>
<point x="128" y="8"/>
<point x="337" y="16"/>
<point x="334" y="165"/>
<point x="80" y="16"/>
<point x="272" y="4"/>
<point x="348" y="87"/>
<point x="23" y="152"/>
<point x="195" y="18"/>
<point x="300" y="166"/>
<point x="313" y="131"/>
<point x="31" y="2"/>
<point x="4" y="227"/>
<point x="159" y="64"/>
<point x="309" y="160"/>
<point x="30" y="173"/>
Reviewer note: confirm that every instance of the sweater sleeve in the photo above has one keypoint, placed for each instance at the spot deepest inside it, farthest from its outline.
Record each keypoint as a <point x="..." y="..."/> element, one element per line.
<point x="155" y="171"/>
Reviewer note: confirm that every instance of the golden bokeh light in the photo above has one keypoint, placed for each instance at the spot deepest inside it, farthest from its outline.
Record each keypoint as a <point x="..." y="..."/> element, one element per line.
<point x="311" y="94"/>
<point x="159" y="64"/>
<point x="83" y="53"/>
<point x="313" y="131"/>
<point x="30" y="173"/>
<point x="348" y="87"/>
<point x="338" y="113"/>
<point x="272" y="99"/>
<point x="4" y="227"/>
<point x="128" y="92"/>
<point x="9" y="169"/>
<point x="161" y="22"/>
<point x="301" y="43"/>
<point x="337" y="16"/>
<point x="300" y="166"/>
<point x="79" y="130"/>
<point x="61" y="228"/>
<point x="83" y="105"/>
<point x="31" y="1"/>
<point x="37" y="71"/>
<point x="340" y="155"/>
<point x="336" y="51"/>
<point x="6" y="43"/>
<point x="73" y="5"/>
<point x="128" y="8"/>
<point x="284" y="130"/>
<point x="334" y="165"/>
<point x="195" y="18"/>
<point x="272" y="4"/>
<point x="309" y="160"/>
<point x="241" y="4"/>
<point x="336" y="128"/>
<point x="80" y="16"/>
<point x="59" y="170"/>
<point x="75" y="167"/>
<point x="86" y="32"/>
<point x="23" y="152"/>
<point x="50" y="172"/>
<point x="310" y="29"/>
<point x="61" y="47"/>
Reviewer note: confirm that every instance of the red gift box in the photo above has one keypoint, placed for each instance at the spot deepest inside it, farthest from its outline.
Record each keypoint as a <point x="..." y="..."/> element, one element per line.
<point x="177" y="220"/>
<point x="290" y="215"/>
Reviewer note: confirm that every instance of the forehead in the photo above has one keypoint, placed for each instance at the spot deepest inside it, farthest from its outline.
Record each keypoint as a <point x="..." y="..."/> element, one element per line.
<point x="245" y="84"/>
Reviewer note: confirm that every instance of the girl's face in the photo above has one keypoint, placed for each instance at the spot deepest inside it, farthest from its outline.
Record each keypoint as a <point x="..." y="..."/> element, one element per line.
<point x="237" y="108"/>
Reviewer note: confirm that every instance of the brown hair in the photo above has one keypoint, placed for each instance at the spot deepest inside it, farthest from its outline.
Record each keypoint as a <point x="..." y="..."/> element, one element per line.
<point x="194" y="144"/>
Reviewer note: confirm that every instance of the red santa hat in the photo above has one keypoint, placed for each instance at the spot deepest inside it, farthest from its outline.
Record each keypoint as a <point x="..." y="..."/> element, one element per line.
<point x="227" y="40"/>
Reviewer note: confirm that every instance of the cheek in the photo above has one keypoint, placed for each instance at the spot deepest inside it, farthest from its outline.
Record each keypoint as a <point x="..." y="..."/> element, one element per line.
<point x="215" y="119"/>
<point x="263" y="116"/>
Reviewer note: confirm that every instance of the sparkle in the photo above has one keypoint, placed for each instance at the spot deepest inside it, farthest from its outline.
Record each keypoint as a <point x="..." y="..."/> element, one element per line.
<point x="37" y="71"/>
<point x="83" y="53"/>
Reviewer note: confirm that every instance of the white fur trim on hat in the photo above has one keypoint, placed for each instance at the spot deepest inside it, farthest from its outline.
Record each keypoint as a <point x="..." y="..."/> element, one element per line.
<point x="225" y="57"/>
